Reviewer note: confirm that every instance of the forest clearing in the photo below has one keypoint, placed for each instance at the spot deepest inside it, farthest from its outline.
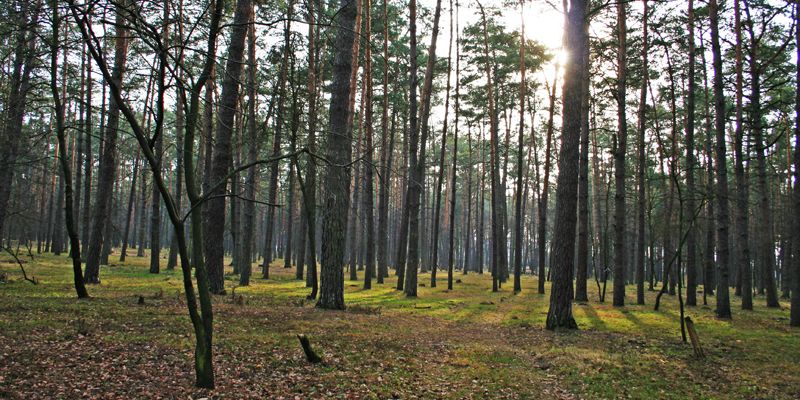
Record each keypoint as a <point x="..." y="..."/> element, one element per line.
<point x="465" y="343"/>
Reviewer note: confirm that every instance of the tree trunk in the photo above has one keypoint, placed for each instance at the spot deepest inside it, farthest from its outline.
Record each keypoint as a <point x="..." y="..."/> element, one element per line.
<point x="276" y="144"/>
<point x="131" y="197"/>
<point x="246" y="255"/>
<point x="221" y="156"/>
<point x="795" y="312"/>
<point x="691" y="241"/>
<point x="741" y="210"/>
<point x="309" y="189"/>
<point x="560" y="313"/>
<point x="66" y="173"/>
<point x="386" y="159"/>
<point x="339" y="153"/>
<point x="108" y="161"/>
<point x="367" y="194"/>
<point x="520" y="139"/>
<point x="418" y="141"/>
<point x="583" y="186"/>
<point x="723" y="246"/>
<point x="766" y="240"/>
<point x="440" y="179"/>
<point x="14" y="108"/>
<point x="543" y="198"/>
<point x="451" y="248"/>
<point x="642" y="167"/>
<point x="619" y="160"/>
<point x="499" y="255"/>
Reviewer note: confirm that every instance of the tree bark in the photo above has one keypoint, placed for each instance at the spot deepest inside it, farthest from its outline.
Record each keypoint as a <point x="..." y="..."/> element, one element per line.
<point x="131" y="197"/>
<point x="418" y="141"/>
<point x="583" y="185"/>
<point x="499" y="255"/>
<point x="741" y="213"/>
<point x="66" y="173"/>
<point x="543" y="198"/>
<point x="691" y="237"/>
<point x="560" y="313"/>
<point x="276" y="144"/>
<point x="108" y="161"/>
<point x="367" y="194"/>
<point x="338" y="153"/>
<point x="451" y="248"/>
<point x="221" y="155"/>
<point x="795" y="312"/>
<point x="723" y="309"/>
<point x="619" y="160"/>
<point x="386" y="159"/>
<point x="520" y="139"/>
<point x="440" y="179"/>
<point x="18" y="88"/>
<point x="246" y="256"/>
<point x="642" y="167"/>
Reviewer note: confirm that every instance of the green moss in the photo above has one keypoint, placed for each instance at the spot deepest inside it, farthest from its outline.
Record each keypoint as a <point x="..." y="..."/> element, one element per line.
<point x="466" y="342"/>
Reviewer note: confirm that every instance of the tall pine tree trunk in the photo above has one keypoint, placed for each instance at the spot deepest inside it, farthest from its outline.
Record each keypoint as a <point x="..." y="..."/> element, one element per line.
<point x="741" y="210"/>
<point x="642" y="160"/>
<point x="221" y="155"/>
<point x="723" y="246"/>
<point x="560" y="313"/>
<point x="339" y="153"/>
<point x="619" y="160"/>
<point x="108" y="161"/>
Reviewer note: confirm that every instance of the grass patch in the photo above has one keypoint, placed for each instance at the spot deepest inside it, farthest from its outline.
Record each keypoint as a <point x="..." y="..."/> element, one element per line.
<point x="468" y="342"/>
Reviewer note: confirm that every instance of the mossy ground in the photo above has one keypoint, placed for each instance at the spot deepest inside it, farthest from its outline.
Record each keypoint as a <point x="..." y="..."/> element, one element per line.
<point x="464" y="343"/>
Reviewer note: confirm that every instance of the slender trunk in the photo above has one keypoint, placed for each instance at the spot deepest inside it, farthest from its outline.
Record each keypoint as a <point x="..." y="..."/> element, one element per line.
<point x="309" y="189"/>
<point x="386" y="157"/>
<point x="499" y="250"/>
<point x="367" y="195"/>
<point x="221" y="156"/>
<point x="108" y="161"/>
<point x="583" y="185"/>
<point x="521" y="138"/>
<point x="418" y="141"/>
<point x="87" y="153"/>
<point x="246" y="255"/>
<point x="619" y="161"/>
<point x="766" y="240"/>
<point x="19" y="86"/>
<point x="66" y="173"/>
<point x="131" y="197"/>
<point x="642" y="160"/>
<point x="795" y="312"/>
<point x="440" y="178"/>
<point x="723" y="309"/>
<point x="543" y="198"/>
<point x="741" y="209"/>
<point x="141" y="215"/>
<point x="158" y="135"/>
<point x="290" y="200"/>
<point x="276" y="144"/>
<point x="451" y="250"/>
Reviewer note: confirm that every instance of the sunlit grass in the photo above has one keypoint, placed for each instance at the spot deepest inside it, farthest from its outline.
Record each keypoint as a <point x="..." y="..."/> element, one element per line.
<point x="620" y="351"/>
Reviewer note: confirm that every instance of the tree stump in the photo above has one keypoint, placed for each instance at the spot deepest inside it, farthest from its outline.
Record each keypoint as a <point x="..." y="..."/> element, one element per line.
<point x="698" y="350"/>
<point x="311" y="356"/>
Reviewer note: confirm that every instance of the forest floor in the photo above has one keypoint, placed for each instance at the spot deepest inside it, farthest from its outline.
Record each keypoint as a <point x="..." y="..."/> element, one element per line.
<point x="464" y="343"/>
